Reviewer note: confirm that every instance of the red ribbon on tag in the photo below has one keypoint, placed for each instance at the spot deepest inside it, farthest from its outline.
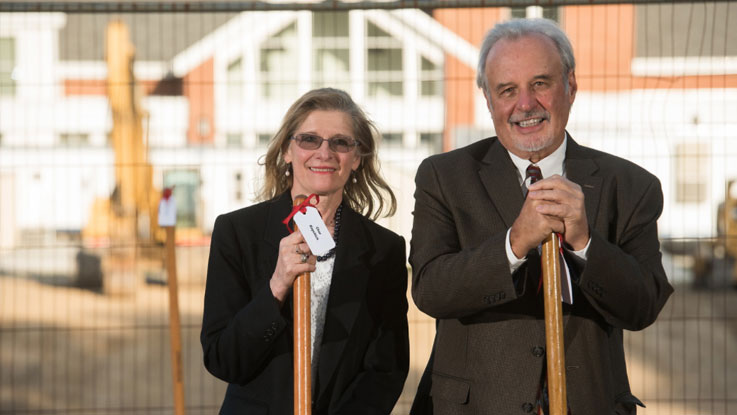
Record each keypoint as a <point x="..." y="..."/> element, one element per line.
<point x="302" y="207"/>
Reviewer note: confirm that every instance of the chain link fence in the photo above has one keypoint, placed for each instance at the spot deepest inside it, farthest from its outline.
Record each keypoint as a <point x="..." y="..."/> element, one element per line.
<point x="210" y="81"/>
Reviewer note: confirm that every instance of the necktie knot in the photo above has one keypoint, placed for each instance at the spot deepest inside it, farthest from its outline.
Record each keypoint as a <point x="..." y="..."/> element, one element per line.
<point x="533" y="173"/>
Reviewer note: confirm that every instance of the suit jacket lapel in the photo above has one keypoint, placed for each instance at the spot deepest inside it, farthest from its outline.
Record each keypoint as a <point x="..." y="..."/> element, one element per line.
<point x="499" y="176"/>
<point x="347" y="295"/>
<point x="274" y="232"/>
<point x="580" y="169"/>
<point x="275" y="229"/>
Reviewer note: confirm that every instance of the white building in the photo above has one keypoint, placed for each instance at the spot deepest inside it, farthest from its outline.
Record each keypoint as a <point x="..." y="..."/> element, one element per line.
<point x="218" y="85"/>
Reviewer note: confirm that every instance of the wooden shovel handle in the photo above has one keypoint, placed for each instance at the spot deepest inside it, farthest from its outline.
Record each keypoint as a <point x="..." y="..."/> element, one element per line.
<point x="554" y="327"/>
<point x="302" y="338"/>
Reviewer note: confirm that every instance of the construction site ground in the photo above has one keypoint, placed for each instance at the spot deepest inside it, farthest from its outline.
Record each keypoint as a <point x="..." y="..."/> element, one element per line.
<point x="66" y="350"/>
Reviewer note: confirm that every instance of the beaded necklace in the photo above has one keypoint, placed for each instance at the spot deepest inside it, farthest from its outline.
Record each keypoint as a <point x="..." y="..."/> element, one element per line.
<point x="335" y="234"/>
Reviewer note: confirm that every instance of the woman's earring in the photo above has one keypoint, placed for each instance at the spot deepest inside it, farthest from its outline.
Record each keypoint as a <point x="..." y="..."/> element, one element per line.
<point x="353" y="177"/>
<point x="287" y="173"/>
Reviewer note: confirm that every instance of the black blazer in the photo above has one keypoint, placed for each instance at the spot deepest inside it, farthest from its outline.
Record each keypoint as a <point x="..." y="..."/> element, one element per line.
<point x="247" y="338"/>
<point x="489" y="348"/>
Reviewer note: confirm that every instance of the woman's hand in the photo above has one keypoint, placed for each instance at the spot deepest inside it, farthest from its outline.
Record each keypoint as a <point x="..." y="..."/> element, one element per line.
<point x="294" y="259"/>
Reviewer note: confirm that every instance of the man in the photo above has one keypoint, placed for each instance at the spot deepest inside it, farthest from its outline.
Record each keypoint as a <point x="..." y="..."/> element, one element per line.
<point x="475" y="239"/>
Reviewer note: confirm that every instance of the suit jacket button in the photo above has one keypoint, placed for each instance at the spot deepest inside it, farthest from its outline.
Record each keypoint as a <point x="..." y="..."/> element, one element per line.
<point x="528" y="407"/>
<point x="538" y="351"/>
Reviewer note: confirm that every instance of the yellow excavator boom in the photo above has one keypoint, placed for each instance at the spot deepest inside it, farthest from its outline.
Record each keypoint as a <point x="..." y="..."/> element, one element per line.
<point x="129" y="214"/>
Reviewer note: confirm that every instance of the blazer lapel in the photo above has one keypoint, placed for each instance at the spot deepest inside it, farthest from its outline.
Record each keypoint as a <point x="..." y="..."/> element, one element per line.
<point x="580" y="169"/>
<point x="273" y="234"/>
<point x="275" y="229"/>
<point x="499" y="176"/>
<point x="347" y="295"/>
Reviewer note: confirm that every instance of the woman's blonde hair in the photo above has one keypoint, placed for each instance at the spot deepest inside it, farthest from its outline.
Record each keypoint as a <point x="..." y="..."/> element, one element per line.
<point x="370" y="195"/>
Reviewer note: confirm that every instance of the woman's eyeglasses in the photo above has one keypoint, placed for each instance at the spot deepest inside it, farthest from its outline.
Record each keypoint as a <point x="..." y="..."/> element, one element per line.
<point x="338" y="143"/>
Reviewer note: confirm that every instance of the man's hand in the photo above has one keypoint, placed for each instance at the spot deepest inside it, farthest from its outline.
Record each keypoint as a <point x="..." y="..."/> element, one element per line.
<point x="554" y="204"/>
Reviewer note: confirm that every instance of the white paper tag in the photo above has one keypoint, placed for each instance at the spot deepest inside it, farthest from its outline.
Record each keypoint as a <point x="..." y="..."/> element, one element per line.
<point x="167" y="212"/>
<point x="315" y="232"/>
<point x="565" y="283"/>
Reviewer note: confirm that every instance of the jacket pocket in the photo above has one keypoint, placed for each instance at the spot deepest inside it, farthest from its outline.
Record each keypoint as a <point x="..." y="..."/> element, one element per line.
<point x="234" y="404"/>
<point x="448" y="388"/>
<point x="626" y="404"/>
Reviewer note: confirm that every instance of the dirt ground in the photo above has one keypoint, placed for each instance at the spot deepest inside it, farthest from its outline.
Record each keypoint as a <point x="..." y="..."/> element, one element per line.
<point x="66" y="350"/>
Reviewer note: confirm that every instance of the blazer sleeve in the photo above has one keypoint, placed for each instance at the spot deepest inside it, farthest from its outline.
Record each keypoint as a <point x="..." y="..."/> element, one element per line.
<point x="240" y="322"/>
<point x="623" y="277"/>
<point x="450" y="280"/>
<point x="376" y="389"/>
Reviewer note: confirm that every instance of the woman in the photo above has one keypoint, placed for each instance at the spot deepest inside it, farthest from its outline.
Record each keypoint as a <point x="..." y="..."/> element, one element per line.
<point x="360" y="353"/>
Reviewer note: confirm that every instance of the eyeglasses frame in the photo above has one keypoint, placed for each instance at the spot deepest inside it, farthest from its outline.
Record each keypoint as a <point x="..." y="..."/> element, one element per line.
<point x="331" y="145"/>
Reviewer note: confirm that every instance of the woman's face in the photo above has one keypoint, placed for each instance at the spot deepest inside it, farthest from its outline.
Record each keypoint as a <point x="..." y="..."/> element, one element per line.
<point x="322" y="171"/>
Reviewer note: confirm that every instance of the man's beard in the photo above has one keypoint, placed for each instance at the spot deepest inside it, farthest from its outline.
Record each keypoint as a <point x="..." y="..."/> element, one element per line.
<point x="534" y="145"/>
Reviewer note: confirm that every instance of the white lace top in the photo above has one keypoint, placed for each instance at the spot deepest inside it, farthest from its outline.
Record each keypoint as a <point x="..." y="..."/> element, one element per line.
<point x="320" y="289"/>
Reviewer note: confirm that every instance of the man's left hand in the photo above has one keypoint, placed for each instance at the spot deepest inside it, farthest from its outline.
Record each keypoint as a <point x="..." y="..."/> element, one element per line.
<point x="564" y="200"/>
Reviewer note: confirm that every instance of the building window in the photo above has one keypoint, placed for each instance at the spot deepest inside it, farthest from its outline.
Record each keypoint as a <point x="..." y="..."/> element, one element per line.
<point x="330" y="49"/>
<point x="692" y="172"/>
<point x="74" y="139"/>
<point x="279" y="64"/>
<point x="234" y="140"/>
<point x="203" y="127"/>
<point x="433" y="141"/>
<point x="238" y="186"/>
<point x="548" y="12"/>
<point x="518" y="12"/>
<point x="392" y="139"/>
<point x="265" y="138"/>
<point x="7" y="65"/>
<point x="383" y="63"/>
<point x="234" y="80"/>
<point x="431" y="84"/>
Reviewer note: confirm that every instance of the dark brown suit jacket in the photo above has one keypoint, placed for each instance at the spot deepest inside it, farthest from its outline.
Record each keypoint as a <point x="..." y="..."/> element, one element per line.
<point x="489" y="348"/>
<point x="247" y="339"/>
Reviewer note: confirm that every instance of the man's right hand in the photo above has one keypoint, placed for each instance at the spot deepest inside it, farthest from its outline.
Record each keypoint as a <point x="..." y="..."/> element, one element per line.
<point x="531" y="227"/>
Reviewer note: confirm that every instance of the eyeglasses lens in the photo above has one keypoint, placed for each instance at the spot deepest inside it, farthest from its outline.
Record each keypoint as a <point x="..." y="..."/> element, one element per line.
<point x="313" y="142"/>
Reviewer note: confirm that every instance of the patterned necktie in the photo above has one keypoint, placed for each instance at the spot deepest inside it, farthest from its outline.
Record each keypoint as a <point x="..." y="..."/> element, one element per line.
<point x="532" y="174"/>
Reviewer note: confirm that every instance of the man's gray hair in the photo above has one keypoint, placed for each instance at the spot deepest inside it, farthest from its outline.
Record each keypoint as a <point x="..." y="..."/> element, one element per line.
<point x="516" y="28"/>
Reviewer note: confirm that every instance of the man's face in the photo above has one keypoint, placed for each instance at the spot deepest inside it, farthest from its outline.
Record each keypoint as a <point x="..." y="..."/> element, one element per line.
<point x="527" y="95"/>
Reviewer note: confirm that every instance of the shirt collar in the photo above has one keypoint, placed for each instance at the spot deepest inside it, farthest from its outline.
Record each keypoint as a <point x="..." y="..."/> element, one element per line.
<point x="550" y="165"/>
